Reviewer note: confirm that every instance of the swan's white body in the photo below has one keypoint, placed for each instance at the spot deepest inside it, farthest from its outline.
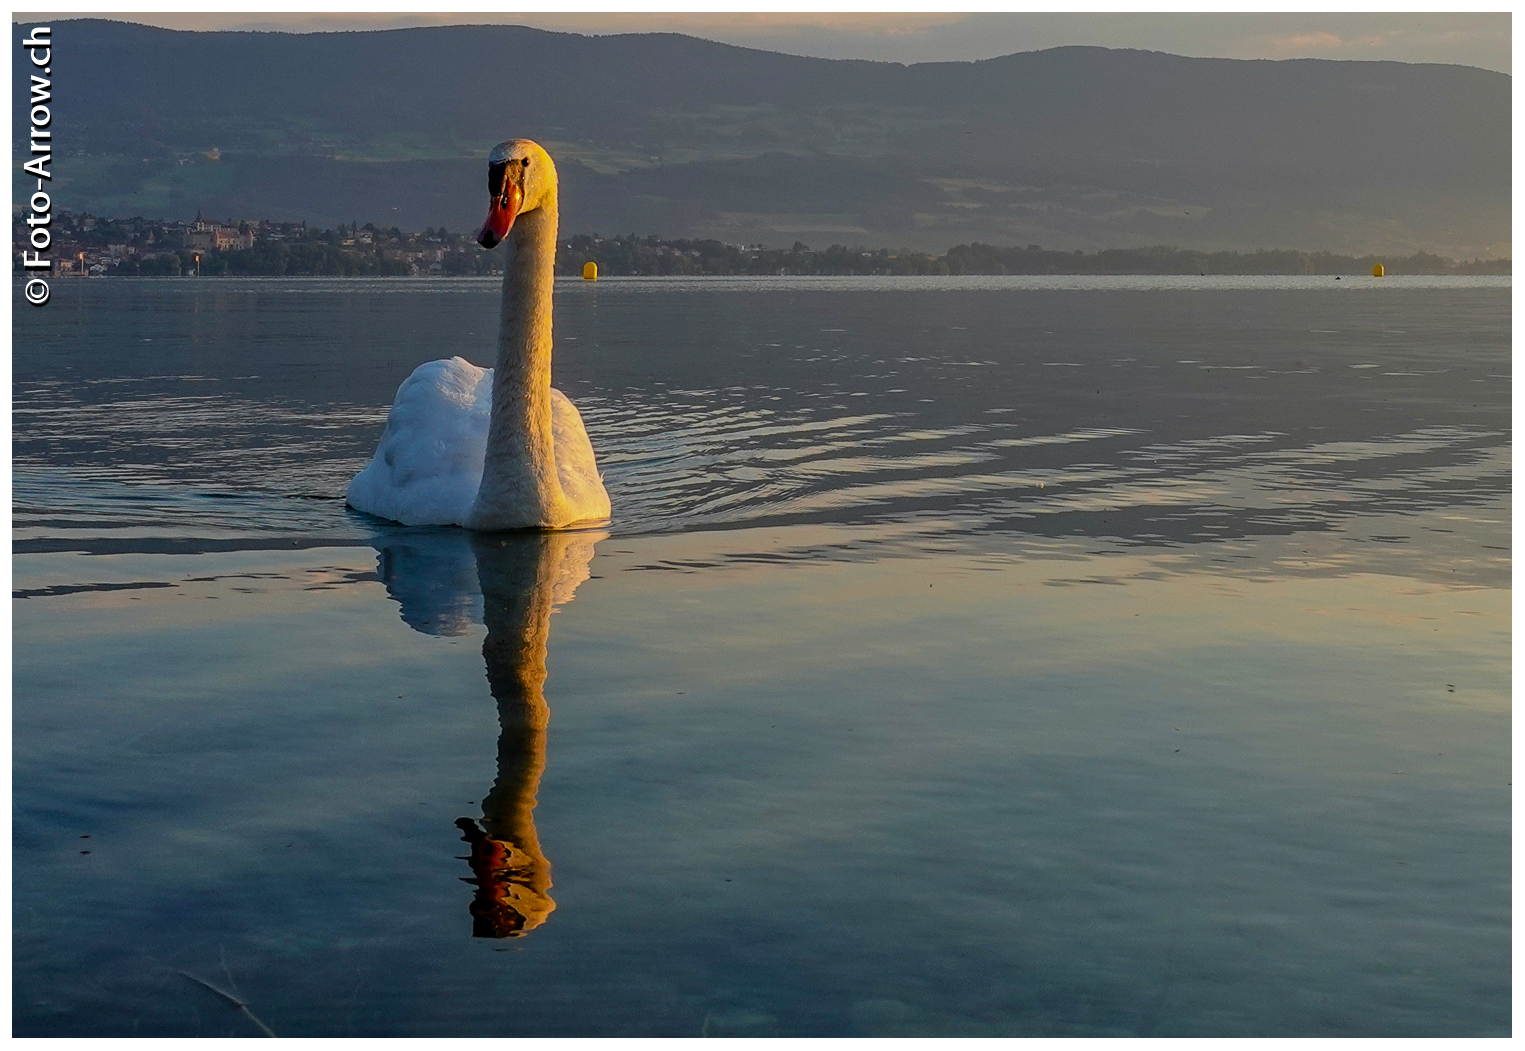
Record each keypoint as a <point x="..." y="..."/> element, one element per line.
<point x="428" y="467"/>
<point x="498" y="448"/>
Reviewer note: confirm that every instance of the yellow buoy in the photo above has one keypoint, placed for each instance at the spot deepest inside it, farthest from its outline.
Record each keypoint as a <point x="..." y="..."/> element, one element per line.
<point x="590" y="271"/>
<point x="1377" y="271"/>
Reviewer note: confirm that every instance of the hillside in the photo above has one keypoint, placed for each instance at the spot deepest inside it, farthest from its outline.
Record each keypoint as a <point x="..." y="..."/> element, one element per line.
<point x="659" y="133"/>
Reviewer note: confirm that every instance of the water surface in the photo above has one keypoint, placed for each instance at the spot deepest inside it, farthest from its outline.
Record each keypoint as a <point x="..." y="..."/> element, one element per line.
<point x="996" y="656"/>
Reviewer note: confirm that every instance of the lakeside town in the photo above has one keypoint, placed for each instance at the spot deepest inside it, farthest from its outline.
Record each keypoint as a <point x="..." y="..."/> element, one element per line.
<point x="86" y="245"/>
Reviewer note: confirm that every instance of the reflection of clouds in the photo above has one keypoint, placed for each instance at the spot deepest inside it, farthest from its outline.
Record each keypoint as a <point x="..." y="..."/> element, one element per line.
<point x="446" y="580"/>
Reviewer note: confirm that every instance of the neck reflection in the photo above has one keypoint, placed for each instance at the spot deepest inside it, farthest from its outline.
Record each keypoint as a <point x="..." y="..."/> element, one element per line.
<point x="522" y="578"/>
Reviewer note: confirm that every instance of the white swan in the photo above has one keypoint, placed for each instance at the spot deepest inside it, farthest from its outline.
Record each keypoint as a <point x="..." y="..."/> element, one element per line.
<point x="493" y="449"/>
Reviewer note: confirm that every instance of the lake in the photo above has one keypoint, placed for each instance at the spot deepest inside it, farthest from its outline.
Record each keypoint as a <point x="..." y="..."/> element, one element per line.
<point x="966" y="656"/>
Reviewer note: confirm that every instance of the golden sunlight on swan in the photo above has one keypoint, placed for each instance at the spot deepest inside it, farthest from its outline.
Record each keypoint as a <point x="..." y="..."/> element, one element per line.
<point x="500" y="448"/>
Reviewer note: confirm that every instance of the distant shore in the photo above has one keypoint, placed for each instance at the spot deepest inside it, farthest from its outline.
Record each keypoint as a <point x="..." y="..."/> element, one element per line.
<point x="90" y="245"/>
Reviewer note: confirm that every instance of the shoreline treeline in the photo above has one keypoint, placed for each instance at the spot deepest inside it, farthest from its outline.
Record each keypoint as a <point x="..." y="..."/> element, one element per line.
<point x="254" y="248"/>
<point x="633" y="255"/>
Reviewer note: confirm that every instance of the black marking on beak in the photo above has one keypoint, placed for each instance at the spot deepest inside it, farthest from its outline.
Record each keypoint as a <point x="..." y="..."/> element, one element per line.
<point x="497" y="179"/>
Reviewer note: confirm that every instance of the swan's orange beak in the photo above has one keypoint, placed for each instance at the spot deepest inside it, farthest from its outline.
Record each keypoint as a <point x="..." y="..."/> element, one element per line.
<point x="500" y="216"/>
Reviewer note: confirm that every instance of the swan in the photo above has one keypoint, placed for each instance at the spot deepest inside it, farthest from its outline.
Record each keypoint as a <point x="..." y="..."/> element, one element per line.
<point x="500" y="448"/>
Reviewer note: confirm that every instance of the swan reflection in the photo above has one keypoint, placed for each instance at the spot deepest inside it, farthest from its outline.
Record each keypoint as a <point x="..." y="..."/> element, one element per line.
<point x="445" y="581"/>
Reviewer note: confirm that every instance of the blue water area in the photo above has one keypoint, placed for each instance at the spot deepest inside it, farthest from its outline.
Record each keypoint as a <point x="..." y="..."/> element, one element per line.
<point x="990" y="656"/>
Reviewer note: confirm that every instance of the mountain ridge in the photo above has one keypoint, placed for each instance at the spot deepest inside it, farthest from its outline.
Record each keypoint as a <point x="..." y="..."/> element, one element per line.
<point x="1078" y="147"/>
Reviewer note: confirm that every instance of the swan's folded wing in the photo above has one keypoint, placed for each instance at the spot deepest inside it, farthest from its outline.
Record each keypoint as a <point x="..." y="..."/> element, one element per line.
<point x="428" y="465"/>
<point x="576" y="468"/>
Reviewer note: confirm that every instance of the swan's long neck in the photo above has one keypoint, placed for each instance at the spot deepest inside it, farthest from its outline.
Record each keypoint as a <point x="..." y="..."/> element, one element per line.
<point x="519" y="484"/>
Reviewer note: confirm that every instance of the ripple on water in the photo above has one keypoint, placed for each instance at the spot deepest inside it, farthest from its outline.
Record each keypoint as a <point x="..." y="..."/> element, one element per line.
<point x="1133" y="433"/>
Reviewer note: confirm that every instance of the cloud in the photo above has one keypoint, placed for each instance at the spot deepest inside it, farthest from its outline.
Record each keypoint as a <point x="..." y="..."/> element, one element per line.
<point x="1418" y="41"/>
<point x="1306" y="42"/>
<point x="1332" y="45"/>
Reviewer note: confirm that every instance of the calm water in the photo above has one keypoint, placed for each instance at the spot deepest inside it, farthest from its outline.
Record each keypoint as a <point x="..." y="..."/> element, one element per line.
<point x="1080" y="656"/>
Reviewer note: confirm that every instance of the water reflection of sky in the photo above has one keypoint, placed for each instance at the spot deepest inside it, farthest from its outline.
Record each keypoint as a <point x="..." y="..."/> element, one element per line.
<point x="757" y="775"/>
<point x="1161" y="707"/>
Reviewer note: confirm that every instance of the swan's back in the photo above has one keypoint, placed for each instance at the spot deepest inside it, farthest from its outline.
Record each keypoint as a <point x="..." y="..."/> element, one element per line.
<point x="428" y="465"/>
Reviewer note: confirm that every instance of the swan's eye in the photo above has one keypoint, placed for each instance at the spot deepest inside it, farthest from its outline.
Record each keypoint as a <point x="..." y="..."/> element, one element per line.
<point x="526" y="162"/>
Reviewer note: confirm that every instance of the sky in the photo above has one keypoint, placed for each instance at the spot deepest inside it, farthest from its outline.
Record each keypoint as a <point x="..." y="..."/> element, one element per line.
<point x="1466" y="39"/>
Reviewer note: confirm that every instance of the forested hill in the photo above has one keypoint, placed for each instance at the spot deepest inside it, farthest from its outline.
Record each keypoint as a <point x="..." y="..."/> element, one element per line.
<point x="1070" y="147"/>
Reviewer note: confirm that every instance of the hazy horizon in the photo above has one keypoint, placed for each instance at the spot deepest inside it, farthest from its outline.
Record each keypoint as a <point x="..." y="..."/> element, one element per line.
<point x="1481" y="40"/>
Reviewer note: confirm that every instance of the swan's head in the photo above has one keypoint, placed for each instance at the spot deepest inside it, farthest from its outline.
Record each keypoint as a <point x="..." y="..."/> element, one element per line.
<point x="520" y="178"/>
